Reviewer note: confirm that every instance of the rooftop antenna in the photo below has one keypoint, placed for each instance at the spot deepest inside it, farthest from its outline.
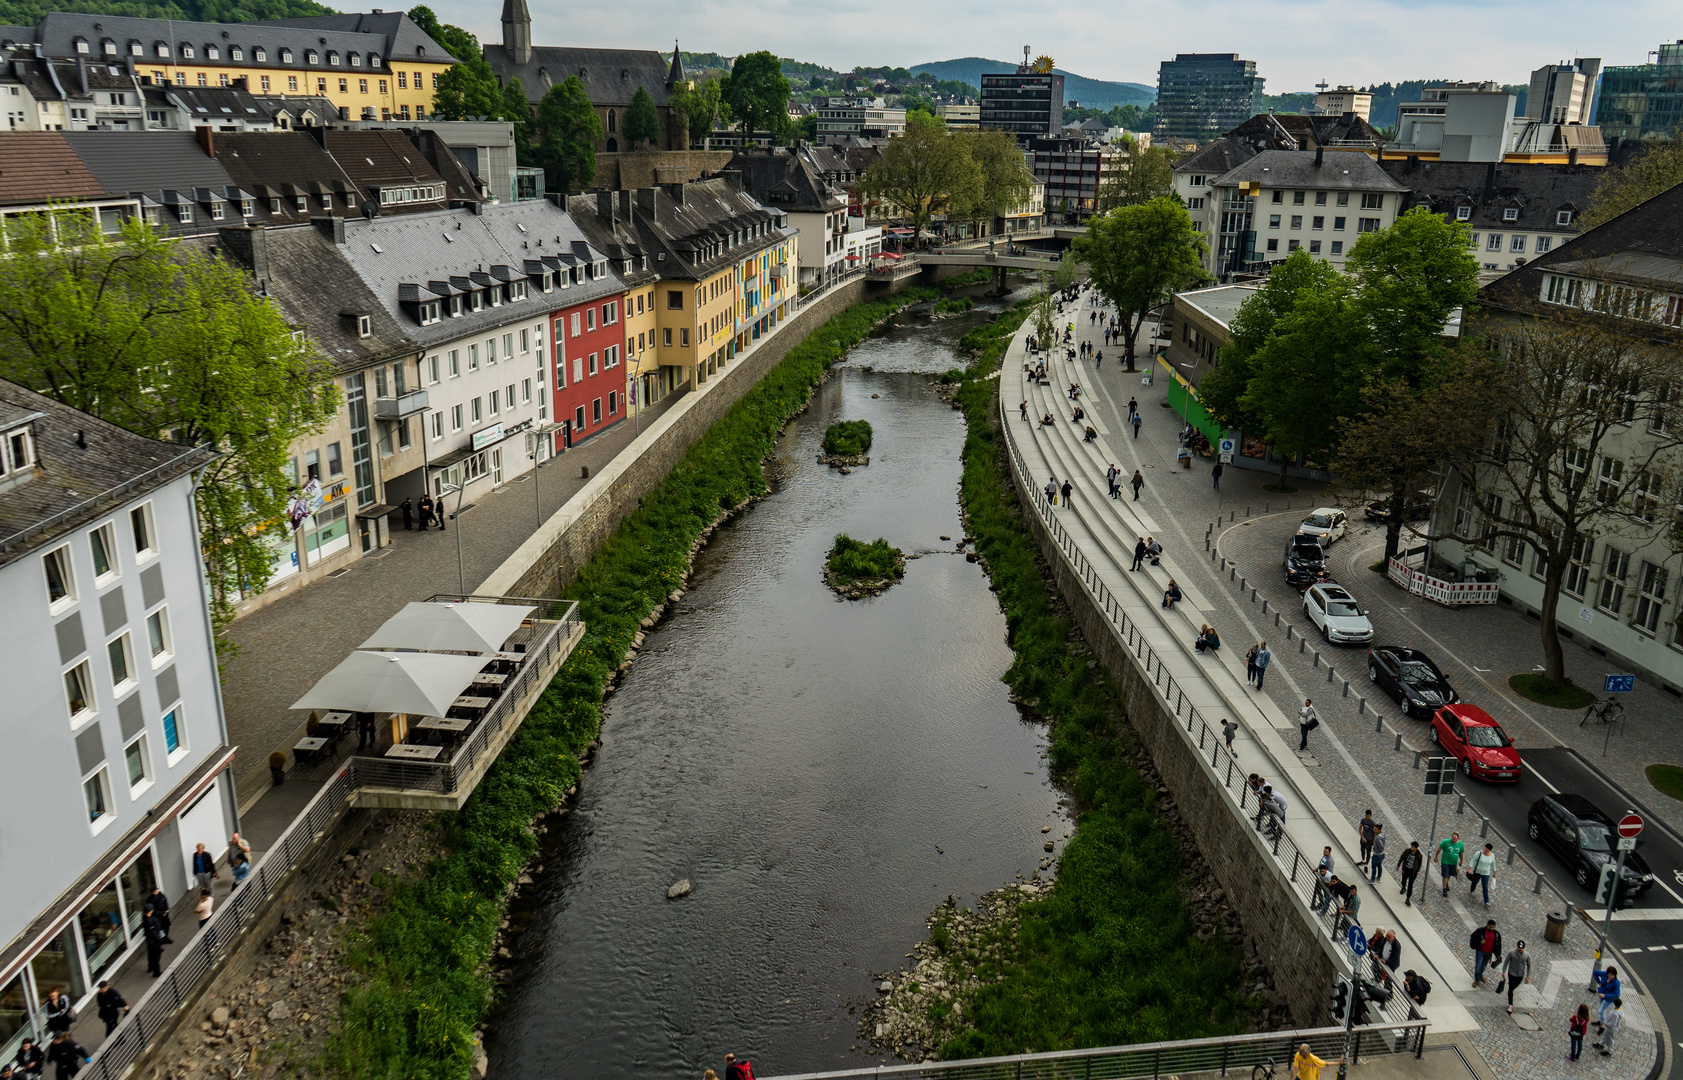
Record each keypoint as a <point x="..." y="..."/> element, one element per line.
<point x="1321" y="86"/>
<point x="1025" y="57"/>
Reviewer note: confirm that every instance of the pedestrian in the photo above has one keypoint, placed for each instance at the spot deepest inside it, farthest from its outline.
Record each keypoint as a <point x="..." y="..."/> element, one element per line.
<point x="32" y="1060"/>
<point x="1306" y="1066"/>
<point x="1417" y="986"/>
<point x="1137" y="482"/>
<point x="1133" y="407"/>
<point x="1486" y="944"/>
<point x="160" y="908"/>
<point x="206" y="904"/>
<point x="1449" y="858"/>
<point x="408" y="511"/>
<point x="1052" y="491"/>
<point x="1139" y="554"/>
<point x="1022" y="408"/>
<point x="1389" y="952"/>
<point x="1576" y="1027"/>
<point x="1098" y="361"/>
<point x="1228" y="730"/>
<point x="1065" y="490"/>
<point x="426" y="512"/>
<point x="240" y="867"/>
<point x="1484" y="864"/>
<point x="1614" y="1021"/>
<point x="1348" y="910"/>
<point x="238" y="846"/>
<point x="1215" y="475"/>
<point x="67" y="1055"/>
<point x="154" y="934"/>
<point x="1307" y="721"/>
<point x="1516" y="968"/>
<point x="438" y="511"/>
<point x="1409" y="867"/>
<point x="1609" y="992"/>
<point x="733" y="1071"/>
<point x="1376" y="852"/>
<point x="1171" y="595"/>
<point x="1111" y="475"/>
<point x="1250" y="664"/>
<point x="1136" y="423"/>
<point x="111" y="1005"/>
<point x="59" y="1012"/>
<point x="364" y="729"/>
<point x="204" y="866"/>
<point x="1364" y="830"/>
<point x="1263" y="658"/>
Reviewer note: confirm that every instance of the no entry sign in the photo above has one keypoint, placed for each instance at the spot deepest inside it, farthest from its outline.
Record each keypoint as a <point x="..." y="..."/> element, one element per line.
<point x="1630" y="825"/>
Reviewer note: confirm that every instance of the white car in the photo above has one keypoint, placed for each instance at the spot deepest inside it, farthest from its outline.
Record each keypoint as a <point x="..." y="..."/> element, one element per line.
<point x="1340" y="618"/>
<point x="1327" y="523"/>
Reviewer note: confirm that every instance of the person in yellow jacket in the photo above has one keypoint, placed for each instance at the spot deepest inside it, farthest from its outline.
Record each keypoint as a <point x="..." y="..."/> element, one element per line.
<point x="1306" y="1066"/>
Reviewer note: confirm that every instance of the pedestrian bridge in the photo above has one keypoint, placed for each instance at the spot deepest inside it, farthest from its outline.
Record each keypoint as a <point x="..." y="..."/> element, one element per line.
<point x="983" y="258"/>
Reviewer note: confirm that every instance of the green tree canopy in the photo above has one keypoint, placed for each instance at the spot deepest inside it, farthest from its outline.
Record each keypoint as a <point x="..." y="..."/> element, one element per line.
<point x="924" y="172"/>
<point x="1003" y="180"/>
<point x="703" y="107"/>
<point x="468" y="88"/>
<point x="518" y="110"/>
<point x="1139" y="256"/>
<point x="1150" y="174"/>
<point x="166" y="341"/>
<point x="1409" y="279"/>
<point x="568" y="130"/>
<point x="642" y="121"/>
<point x="758" y="94"/>
<point x="1621" y="188"/>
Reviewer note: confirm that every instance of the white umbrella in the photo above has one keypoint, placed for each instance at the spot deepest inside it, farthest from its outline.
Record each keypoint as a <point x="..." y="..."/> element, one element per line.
<point x="420" y="684"/>
<point x="480" y="628"/>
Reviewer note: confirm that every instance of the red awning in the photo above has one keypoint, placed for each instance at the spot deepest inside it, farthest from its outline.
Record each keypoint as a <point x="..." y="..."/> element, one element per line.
<point x="852" y="258"/>
<point x="885" y="255"/>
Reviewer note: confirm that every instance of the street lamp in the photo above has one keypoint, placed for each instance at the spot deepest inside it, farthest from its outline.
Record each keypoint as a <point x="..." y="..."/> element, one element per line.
<point x="534" y="439"/>
<point x="460" y="489"/>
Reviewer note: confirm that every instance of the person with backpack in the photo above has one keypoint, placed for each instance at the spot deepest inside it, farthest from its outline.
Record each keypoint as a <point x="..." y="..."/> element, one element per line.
<point x="1416" y="986"/>
<point x="738" y="1070"/>
<point x="1486" y="944"/>
<point x="1409" y="867"/>
<point x="1307" y="721"/>
<point x="1575" y="1030"/>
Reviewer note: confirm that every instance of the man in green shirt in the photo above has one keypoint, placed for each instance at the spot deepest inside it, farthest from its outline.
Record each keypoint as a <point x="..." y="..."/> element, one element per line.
<point x="1449" y="858"/>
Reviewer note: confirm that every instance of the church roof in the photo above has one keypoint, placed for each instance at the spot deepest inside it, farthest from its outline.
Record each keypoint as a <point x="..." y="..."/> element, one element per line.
<point x="610" y="76"/>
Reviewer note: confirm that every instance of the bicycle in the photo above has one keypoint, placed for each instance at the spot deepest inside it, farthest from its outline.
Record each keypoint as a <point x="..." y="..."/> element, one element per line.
<point x="1263" y="1072"/>
<point x="1605" y="712"/>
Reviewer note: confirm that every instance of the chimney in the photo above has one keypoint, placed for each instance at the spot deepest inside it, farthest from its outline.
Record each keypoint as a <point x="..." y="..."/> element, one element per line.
<point x="1572" y="156"/>
<point x="207" y="141"/>
<point x="1318" y="152"/>
<point x="676" y="191"/>
<point x="647" y="200"/>
<point x="332" y="227"/>
<point x="624" y="204"/>
<point x="605" y="207"/>
<point x="250" y="245"/>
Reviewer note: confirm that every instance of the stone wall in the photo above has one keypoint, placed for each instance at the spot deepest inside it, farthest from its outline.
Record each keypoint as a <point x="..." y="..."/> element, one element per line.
<point x="635" y="169"/>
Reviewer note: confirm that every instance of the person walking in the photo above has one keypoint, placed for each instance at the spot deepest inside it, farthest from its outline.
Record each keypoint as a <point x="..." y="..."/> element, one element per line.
<point x="1098" y="360"/>
<point x="1364" y="830"/>
<point x="1484" y="864"/>
<point x="1250" y="664"/>
<point x="1215" y="476"/>
<point x="1228" y="730"/>
<point x="1486" y="944"/>
<point x="237" y="845"/>
<point x="1307" y="721"/>
<point x="1023" y="408"/>
<point x="1409" y="867"/>
<point x="1516" y="968"/>
<point x="1376" y="853"/>
<point x="364" y="729"/>
<point x="67" y="1055"/>
<point x="59" y="1012"/>
<point x="1263" y="658"/>
<point x="1133" y="407"/>
<point x="1306" y="1066"/>
<point x="32" y="1060"/>
<point x="1136" y="423"/>
<point x="426" y="512"/>
<point x="1065" y="490"/>
<point x="438" y="511"/>
<point x="1110" y="476"/>
<point x="1609" y="993"/>
<point x="1449" y="858"/>
<point x="160" y="907"/>
<point x="204" y="866"/>
<point x="1575" y="1031"/>
<point x="1052" y="491"/>
<point x="1137" y="482"/>
<point x="408" y="511"/>
<point x="206" y="904"/>
<point x="153" y="931"/>
<point x="1139" y="554"/>
<point x="111" y="1005"/>
<point x="1615" y="1020"/>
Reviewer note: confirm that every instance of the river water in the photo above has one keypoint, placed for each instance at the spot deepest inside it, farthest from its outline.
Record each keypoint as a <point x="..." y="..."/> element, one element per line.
<point x="824" y="772"/>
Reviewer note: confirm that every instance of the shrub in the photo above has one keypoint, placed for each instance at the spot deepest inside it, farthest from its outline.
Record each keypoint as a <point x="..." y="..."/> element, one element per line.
<point x="954" y="303"/>
<point x="854" y="560"/>
<point x="848" y="438"/>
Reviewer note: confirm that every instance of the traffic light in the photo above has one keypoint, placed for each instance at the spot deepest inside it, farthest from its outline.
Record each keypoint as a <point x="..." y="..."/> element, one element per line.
<point x="1341" y="1000"/>
<point x="1606" y="892"/>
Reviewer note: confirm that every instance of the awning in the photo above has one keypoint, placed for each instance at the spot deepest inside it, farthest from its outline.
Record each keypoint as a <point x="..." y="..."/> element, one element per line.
<point x="461" y="627"/>
<point x="419" y="684"/>
<point x="852" y="258"/>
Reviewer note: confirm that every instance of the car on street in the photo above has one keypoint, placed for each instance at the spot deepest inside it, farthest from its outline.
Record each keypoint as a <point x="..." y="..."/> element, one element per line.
<point x="1415" y="508"/>
<point x="1411" y="677"/>
<point x="1584" y="838"/>
<point x="1337" y="614"/>
<point x="1473" y="737"/>
<point x="1306" y="561"/>
<point x="1328" y="523"/>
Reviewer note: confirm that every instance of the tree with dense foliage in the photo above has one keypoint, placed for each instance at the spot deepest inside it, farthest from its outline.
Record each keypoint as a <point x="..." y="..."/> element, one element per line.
<point x="642" y="120"/>
<point x="924" y="172"/>
<point x="758" y="94"/>
<point x="468" y="89"/>
<point x="1222" y="389"/>
<point x="1003" y="178"/>
<point x="1149" y="174"/>
<point x="703" y="108"/>
<point x="1139" y="256"/>
<point x="166" y="341"/>
<point x="518" y="111"/>
<point x="568" y="131"/>
<point x="1621" y="188"/>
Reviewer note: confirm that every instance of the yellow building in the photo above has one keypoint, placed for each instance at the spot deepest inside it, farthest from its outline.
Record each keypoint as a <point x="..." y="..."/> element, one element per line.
<point x="374" y="66"/>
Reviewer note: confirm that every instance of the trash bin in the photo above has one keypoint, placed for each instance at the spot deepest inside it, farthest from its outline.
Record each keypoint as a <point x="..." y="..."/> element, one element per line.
<point x="1555" y="931"/>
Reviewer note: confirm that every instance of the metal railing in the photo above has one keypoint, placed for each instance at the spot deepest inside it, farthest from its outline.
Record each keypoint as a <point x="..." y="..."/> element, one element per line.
<point x="1236" y="1053"/>
<point x="1298" y="869"/>
<point x="172" y="990"/>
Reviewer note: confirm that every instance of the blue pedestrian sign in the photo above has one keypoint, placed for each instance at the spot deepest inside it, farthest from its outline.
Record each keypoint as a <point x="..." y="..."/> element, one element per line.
<point x="1620" y="684"/>
<point x="1358" y="941"/>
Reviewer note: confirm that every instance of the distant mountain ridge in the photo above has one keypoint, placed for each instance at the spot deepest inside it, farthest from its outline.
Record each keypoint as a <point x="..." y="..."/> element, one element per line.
<point x="1091" y="93"/>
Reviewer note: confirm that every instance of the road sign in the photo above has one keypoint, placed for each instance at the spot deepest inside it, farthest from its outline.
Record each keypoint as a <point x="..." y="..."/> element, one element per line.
<point x="1358" y="941"/>
<point x="1620" y="684"/>
<point x="1440" y="775"/>
<point x="1630" y="825"/>
<point x="1226" y="447"/>
<point x="1627" y="843"/>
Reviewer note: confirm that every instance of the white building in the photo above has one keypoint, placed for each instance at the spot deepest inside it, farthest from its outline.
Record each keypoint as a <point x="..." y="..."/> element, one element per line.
<point x="1564" y="93"/>
<point x="1345" y="99"/>
<point x="1478" y="122"/>
<point x="112" y="721"/>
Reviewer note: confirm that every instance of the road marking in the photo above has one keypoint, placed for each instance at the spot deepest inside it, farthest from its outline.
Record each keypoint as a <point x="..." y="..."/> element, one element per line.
<point x="1658" y="948"/>
<point x="1669" y="914"/>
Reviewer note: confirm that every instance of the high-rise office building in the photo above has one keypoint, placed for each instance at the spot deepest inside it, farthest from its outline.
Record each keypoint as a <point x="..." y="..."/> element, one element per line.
<point x="1642" y="100"/>
<point x="1563" y="93"/>
<point x="1028" y="102"/>
<point x="1204" y="94"/>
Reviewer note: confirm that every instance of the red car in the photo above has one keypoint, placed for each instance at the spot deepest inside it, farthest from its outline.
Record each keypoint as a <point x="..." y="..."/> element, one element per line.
<point x="1471" y="736"/>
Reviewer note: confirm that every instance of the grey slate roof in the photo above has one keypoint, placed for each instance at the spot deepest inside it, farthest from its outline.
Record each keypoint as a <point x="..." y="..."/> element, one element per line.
<point x="404" y="39"/>
<point x="1538" y="192"/>
<point x="787" y="180"/>
<point x="58" y="32"/>
<point x="227" y="104"/>
<point x="608" y="221"/>
<point x="1220" y="156"/>
<point x="610" y="76"/>
<point x="152" y="163"/>
<point x="71" y="475"/>
<point x="1349" y="170"/>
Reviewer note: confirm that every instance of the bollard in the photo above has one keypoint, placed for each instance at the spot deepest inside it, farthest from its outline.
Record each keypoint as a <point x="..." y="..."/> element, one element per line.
<point x="1331" y="672"/>
<point x="1206" y="541"/>
<point x="1265" y="507"/>
<point x="1265" y="606"/>
<point x="1537" y="886"/>
<point x="1346" y="690"/>
<point x="1361" y="707"/>
<point x="1253" y="594"/>
<point x="1399" y="742"/>
<point x="1233" y="572"/>
<point x="1315" y="662"/>
<point x="1277" y="621"/>
<point x="1247" y="509"/>
<point x="1301" y="642"/>
<point x="1484" y="828"/>
<point x="1460" y="803"/>
<point x="1230" y="517"/>
<point x="1288" y="626"/>
<point x="1378" y="718"/>
<point x="1241" y="584"/>
<point x="1418" y="754"/>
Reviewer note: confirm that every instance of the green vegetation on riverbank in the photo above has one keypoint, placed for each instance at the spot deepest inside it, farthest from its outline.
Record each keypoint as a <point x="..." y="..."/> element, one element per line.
<point x="425" y="961"/>
<point x="1110" y="956"/>
<point x="847" y="438"/>
<point x="853" y="560"/>
<point x="953" y="305"/>
<point x="979" y="276"/>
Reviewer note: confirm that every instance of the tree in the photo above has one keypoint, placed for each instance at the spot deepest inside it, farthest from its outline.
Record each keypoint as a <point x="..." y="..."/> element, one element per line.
<point x="1577" y="445"/>
<point x="642" y="122"/>
<point x="568" y="130"/>
<point x="807" y="127"/>
<point x="758" y="94"/>
<point x="1150" y="175"/>
<point x="1003" y="178"/>
<point x="924" y="172"/>
<point x="518" y="110"/>
<point x="1622" y="188"/>
<point x="468" y="89"/>
<point x="166" y="341"/>
<point x="703" y="107"/>
<point x="1138" y="256"/>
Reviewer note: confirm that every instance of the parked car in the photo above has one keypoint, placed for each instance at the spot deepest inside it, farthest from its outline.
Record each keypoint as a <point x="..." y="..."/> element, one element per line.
<point x="1415" y="508"/>
<point x="1573" y="828"/>
<point x="1409" y="676"/>
<point x="1340" y="618"/>
<point x="1474" y="738"/>
<point x="1306" y="561"/>
<point x="1327" y="522"/>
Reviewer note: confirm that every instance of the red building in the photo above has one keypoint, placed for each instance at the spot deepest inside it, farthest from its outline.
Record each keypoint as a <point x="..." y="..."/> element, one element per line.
<point x="589" y="384"/>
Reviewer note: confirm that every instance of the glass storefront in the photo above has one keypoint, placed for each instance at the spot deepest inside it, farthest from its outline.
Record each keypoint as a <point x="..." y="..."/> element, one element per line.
<point x="101" y="926"/>
<point x="137" y="882"/>
<point x="14" y="1017"/>
<point x="58" y="965"/>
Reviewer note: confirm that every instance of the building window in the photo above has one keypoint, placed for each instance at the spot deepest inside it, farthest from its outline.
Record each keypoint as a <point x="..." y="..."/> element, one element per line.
<point x="158" y="638"/>
<point x="508" y="345"/>
<point x="138" y="762"/>
<point x="525" y="391"/>
<point x="1367" y="224"/>
<point x="1493" y="242"/>
<point x="1372" y="200"/>
<point x="1293" y="245"/>
<point x="264" y="80"/>
<point x="674" y="300"/>
<point x="1544" y="243"/>
<point x="1513" y="552"/>
<point x="455" y="363"/>
<point x="61" y="582"/>
<point x="1279" y="197"/>
<point x="1273" y="221"/>
<point x="1577" y="566"/>
<point x="1516" y="244"/>
<point x="476" y="409"/>
<point x="1314" y="247"/>
<point x="102" y="541"/>
<point x="403" y="80"/>
<point x="174" y="742"/>
<point x="596" y="411"/>
<point x="1650" y="597"/>
<point x="78" y="692"/>
<point x="495" y="398"/>
<point x="1510" y="214"/>
<point x="1610" y="480"/>
<point x="1317" y="222"/>
<point x="362" y="86"/>
<point x="1297" y="221"/>
<point x="1463" y="526"/>
<point x="666" y="333"/>
<point x="382" y="86"/>
<point x="1338" y="247"/>
<point x="684" y="337"/>
<point x="1273" y="245"/>
<point x="1463" y="213"/>
<point x="1297" y="198"/>
<point x="121" y="654"/>
<point x="437" y="426"/>
<point x="96" y="792"/>
<point x="455" y="418"/>
<point x="473" y="357"/>
<point x="292" y="82"/>
<point x="1563" y="217"/>
<point x="1615" y="567"/>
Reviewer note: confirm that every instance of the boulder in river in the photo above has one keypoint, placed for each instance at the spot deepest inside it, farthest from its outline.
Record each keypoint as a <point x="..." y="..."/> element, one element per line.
<point x="678" y="888"/>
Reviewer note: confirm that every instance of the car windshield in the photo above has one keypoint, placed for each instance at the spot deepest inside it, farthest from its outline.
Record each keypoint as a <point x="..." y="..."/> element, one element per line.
<point x="1348" y="609"/>
<point x="1486" y="736"/>
<point x="1416" y="672"/>
<point x="1318" y="521"/>
<point x="1593" y="836"/>
<point x="1310" y="552"/>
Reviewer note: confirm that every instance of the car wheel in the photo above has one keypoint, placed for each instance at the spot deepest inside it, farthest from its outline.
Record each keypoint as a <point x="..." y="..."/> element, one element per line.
<point x="1372" y="674"/>
<point x="1583" y="876"/>
<point x="1435" y="735"/>
<point x="1466" y="766"/>
<point x="1326" y="633"/>
<point x="1533" y="832"/>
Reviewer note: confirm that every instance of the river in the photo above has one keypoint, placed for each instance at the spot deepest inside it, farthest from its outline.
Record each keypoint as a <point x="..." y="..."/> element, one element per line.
<point x="824" y="772"/>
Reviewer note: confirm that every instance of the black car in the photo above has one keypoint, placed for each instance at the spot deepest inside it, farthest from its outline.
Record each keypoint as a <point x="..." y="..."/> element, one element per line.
<point x="1410" y="676"/>
<point x="1306" y="561"/>
<point x="1586" y="840"/>
<point x="1415" y="508"/>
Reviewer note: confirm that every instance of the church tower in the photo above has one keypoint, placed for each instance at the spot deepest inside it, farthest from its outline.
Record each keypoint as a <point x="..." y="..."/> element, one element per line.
<point x="517" y="31"/>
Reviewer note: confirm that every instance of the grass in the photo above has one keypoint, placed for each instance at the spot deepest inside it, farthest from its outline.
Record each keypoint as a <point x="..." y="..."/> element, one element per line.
<point x="1533" y="686"/>
<point x="853" y="560"/>
<point x="1110" y="957"/>
<point x="1380" y="567"/>
<point x="954" y="303"/>
<point x="847" y="438"/>
<point x="426" y="979"/>
<point x="1667" y="780"/>
<point x="979" y="276"/>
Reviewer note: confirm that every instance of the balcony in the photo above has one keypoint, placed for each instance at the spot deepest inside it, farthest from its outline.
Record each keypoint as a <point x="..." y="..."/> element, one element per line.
<point x="399" y="407"/>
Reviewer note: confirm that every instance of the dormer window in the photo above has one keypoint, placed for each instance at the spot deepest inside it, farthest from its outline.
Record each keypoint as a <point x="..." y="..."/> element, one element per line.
<point x="373" y="60"/>
<point x="109" y="47"/>
<point x="1563" y="217"/>
<point x="187" y="52"/>
<point x="429" y="313"/>
<point x="17" y="453"/>
<point x="496" y="292"/>
<point x="260" y="55"/>
<point x="546" y="282"/>
<point x="356" y="59"/>
<point x="212" y="52"/>
<point x="455" y="307"/>
<point x="1510" y="214"/>
<point x="136" y="49"/>
<point x="236" y="53"/>
<point x="332" y="59"/>
<point x="286" y="56"/>
<point x="246" y="209"/>
<point x="1463" y="213"/>
<point x="81" y="44"/>
<point x="476" y="302"/>
<point x="163" y="52"/>
<point x="184" y="213"/>
<point x="516" y="291"/>
<point x="216" y="211"/>
<point x="311" y="57"/>
<point x="364" y="326"/>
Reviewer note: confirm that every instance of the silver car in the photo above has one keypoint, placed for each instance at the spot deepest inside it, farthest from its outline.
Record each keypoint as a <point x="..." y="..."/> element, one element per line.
<point x="1327" y="523"/>
<point x="1341" y="619"/>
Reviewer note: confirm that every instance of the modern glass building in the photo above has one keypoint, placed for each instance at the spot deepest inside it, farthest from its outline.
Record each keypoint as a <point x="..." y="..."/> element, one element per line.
<point x="1205" y="94"/>
<point x="1027" y="104"/>
<point x="1639" y="101"/>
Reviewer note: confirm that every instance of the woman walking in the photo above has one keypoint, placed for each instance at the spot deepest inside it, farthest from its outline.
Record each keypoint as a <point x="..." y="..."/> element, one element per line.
<point x="1515" y="970"/>
<point x="1575" y="1029"/>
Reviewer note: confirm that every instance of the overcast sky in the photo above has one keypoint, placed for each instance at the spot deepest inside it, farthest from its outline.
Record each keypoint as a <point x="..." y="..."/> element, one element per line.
<point x="1295" y="43"/>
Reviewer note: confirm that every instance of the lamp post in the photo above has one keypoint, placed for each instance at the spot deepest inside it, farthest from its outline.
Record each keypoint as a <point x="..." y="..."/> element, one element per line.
<point x="460" y="490"/>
